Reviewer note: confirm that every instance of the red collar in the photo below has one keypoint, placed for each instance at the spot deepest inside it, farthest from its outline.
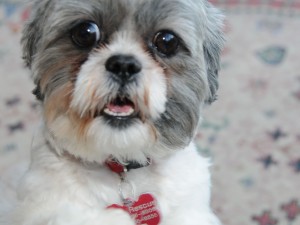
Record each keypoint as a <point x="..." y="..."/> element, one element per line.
<point x="117" y="167"/>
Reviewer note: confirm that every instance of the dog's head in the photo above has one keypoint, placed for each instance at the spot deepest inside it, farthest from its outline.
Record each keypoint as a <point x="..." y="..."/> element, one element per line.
<point x="125" y="78"/>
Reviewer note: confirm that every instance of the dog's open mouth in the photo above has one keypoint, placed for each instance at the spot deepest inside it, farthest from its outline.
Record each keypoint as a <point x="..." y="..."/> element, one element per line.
<point x="120" y="107"/>
<point x="120" y="112"/>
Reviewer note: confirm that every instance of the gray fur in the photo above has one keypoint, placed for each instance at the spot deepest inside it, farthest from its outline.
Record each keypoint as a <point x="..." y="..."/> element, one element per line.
<point x="32" y="33"/>
<point x="46" y="43"/>
<point x="213" y="45"/>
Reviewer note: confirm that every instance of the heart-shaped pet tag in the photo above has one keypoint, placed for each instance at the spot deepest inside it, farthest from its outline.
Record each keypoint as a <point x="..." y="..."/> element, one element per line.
<point x="144" y="211"/>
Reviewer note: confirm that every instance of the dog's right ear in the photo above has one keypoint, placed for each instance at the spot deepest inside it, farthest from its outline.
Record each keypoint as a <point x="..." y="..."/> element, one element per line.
<point x="32" y="31"/>
<point x="32" y="36"/>
<point x="30" y="41"/>
<point x="212" y="46"/>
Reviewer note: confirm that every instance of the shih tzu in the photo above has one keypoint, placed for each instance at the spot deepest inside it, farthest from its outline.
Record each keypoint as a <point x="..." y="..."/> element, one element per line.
<point x="121" y="84"/>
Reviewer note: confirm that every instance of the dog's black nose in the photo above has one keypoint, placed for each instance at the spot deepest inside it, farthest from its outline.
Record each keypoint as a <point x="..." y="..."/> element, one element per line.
<point x="123" y="67"/>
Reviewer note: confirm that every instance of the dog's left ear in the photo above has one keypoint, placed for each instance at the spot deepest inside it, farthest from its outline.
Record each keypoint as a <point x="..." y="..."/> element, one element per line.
<point x="212" y="46"/>
<point x="33" y="29"/>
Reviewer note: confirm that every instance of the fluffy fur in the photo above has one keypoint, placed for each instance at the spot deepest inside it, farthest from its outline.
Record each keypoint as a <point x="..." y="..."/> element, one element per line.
<point x="68" y="182"/>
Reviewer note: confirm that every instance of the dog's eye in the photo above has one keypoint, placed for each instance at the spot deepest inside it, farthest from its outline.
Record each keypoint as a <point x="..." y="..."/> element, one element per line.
<point x="85" y="35"/>
<point x="166" y="42"/>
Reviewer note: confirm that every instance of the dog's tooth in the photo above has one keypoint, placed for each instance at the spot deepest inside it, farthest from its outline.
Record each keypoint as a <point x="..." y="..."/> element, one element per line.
<point x="130" y="112"/>
<point x="107" y="111"/>
<point x="122" y="114"/>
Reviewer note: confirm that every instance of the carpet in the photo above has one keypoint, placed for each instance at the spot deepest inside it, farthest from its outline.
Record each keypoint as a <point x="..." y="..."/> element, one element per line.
<point x="252" y="133"/>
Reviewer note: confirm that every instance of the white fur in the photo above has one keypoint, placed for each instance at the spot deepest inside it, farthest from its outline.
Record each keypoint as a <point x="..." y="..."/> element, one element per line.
<point x="62" y="191"/>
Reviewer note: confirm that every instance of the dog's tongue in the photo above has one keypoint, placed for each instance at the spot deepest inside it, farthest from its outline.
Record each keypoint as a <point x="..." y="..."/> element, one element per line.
<point x="119" y="108"/>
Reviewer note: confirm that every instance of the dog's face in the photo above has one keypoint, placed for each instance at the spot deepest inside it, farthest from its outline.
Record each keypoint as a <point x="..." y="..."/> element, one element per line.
<point x="125" y="78"/>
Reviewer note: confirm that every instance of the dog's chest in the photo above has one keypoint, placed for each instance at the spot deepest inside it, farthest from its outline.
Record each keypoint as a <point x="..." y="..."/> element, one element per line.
<point x="110" y="188"/>
<point x="167" y="187"/>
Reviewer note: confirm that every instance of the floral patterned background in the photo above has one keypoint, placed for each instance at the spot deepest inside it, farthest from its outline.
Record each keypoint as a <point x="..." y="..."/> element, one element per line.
<point x="252" y="132"/>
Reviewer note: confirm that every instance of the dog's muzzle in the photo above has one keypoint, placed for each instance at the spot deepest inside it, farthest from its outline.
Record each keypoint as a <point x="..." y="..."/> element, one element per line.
<point x="124" y="70"/>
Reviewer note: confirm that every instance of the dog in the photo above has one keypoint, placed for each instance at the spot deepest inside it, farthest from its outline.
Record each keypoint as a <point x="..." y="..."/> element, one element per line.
<point x="121" y="85"/>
